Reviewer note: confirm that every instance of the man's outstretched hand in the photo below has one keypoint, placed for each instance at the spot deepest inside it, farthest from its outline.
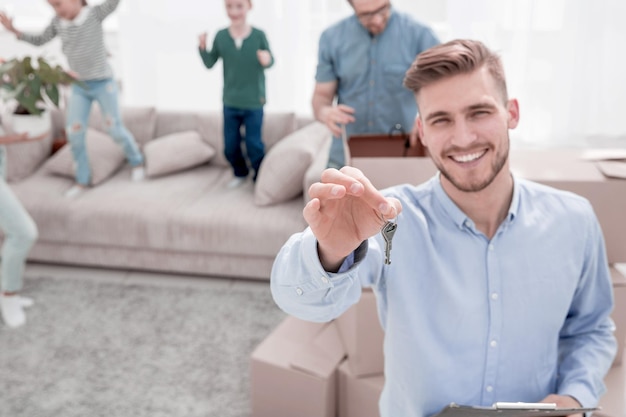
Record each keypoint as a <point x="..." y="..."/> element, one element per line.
<point x="345" y="209"/>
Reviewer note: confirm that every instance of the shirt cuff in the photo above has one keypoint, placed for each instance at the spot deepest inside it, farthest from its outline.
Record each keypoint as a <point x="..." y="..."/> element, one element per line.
<point x="354" y="258"/>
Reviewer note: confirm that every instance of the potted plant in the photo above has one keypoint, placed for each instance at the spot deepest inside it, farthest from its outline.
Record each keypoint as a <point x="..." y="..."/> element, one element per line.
<point x="34" y="89"/>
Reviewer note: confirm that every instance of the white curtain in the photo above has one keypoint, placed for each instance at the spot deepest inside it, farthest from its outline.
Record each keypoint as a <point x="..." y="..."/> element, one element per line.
<point x="564" y="58"/>
<point x="564" y="62"/>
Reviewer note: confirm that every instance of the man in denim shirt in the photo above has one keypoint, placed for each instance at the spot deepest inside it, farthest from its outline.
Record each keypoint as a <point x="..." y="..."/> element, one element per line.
<point x="362" y="61"/>
<point x="498" y="289"/>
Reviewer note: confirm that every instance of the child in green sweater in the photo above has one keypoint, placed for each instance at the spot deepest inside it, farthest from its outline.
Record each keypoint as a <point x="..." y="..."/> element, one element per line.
<point x="245" y="54"/>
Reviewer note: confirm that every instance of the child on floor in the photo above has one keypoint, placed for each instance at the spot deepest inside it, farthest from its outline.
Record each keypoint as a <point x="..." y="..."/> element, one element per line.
<point x="245" y="53"/>
<point x="20" y="233"/>
<point x="80" y="29"/>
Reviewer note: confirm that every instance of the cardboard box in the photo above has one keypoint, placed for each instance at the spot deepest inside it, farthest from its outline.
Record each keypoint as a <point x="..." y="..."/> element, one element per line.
<point x="293" y="372"/>
<point x="362" y="336"/>
<point x="358" y="396"/>
<point x="385" y="172"/>
<point x="619" y="312"/>
<point x="572" y="170"/>
<point x="566" y="169"/>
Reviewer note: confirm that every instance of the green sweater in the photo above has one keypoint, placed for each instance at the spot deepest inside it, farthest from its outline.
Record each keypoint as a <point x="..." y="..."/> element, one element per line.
<point x="244" y="77"/>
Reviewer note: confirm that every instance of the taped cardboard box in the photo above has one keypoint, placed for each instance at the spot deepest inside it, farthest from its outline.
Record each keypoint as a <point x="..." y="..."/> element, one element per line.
<point x="358" y="396"/>
<point x="293" y="372"/>
<point x="363" y="336"/>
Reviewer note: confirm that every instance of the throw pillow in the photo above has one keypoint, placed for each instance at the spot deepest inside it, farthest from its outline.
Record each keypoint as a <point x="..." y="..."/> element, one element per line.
<point x="176" y="152"/>
<point x="282" y="171"/>
<point x="105" y="157"/>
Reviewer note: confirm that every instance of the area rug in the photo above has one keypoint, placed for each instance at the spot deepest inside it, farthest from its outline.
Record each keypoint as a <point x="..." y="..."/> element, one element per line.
<point x="115" y="349"/>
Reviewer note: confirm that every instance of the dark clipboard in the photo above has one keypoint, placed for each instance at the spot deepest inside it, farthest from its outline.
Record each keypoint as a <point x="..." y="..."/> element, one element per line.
<point x="455" y="410"/>
<point x="395" y="143"/>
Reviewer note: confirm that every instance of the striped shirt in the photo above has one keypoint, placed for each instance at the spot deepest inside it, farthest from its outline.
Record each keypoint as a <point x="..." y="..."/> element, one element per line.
<point x="82" y="39"/>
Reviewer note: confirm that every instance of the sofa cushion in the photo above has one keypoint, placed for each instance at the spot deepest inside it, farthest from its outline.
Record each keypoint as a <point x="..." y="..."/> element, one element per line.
<point x="192" y="212"/>
<point x="140" y="122"/>
<point x="105" y="157"/>
<point x="283" y="169"/>
<point x="176" y="152"/>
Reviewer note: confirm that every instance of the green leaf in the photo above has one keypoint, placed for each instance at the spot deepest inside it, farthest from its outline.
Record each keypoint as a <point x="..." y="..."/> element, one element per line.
<point x="52" y="91"/>
<point x="32" y="86"/>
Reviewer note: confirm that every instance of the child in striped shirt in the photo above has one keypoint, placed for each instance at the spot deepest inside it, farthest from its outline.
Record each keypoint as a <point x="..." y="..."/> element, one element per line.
<point x="80" y="29"/>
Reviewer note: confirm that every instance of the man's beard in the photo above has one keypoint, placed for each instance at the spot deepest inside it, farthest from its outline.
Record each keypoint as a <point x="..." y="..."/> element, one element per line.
<point x="496" y="167"/>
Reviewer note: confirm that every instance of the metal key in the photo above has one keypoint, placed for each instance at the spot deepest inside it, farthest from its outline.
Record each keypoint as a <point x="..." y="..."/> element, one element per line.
<point x="388" y="230"/>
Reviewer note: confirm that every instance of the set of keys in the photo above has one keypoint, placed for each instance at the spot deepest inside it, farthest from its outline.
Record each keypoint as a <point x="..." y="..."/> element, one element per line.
<point x="387" y="231"/>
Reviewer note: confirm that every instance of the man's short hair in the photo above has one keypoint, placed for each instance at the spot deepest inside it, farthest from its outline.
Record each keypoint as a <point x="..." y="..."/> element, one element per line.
<point x="460" y="56"/>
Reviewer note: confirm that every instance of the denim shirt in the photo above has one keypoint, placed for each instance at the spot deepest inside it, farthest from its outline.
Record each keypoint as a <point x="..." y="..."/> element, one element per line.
<point x="468" y="319"/>
<point x="370" y="70"/>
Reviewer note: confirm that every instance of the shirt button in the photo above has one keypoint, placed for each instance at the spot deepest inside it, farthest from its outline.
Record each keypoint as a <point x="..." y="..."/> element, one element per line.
<point x="370" y="123"/>
<point x="372" y="83"/>
<point x="299" y="291"/>
<point x="494" y="296"/>
<point x="491" y="247"/>
<point x="373" y="62"/>
<point x="325" y="280"/>
<point x="489" y="388"/>
<point x="493" y="343"/>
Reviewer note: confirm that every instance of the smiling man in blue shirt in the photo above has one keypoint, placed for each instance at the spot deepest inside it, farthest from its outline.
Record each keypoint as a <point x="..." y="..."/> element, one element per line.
<point x="499" y="288"/>
<point x="361" y="63"/>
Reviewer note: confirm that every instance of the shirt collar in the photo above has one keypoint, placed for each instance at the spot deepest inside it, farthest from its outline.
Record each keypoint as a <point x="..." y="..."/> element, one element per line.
<point x="458" y="216"/>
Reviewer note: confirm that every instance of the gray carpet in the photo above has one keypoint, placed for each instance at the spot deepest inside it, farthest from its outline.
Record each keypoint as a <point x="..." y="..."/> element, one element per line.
<point x="112" y="349"/>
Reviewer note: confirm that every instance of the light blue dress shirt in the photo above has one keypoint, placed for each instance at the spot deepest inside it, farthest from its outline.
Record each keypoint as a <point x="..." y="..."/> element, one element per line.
<point x="370" y="72"/>
<point x="3" y="161"/>
<point x="467" y="319"/>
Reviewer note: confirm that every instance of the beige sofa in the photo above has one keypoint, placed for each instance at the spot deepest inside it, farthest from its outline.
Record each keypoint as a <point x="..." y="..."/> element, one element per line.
<point x="184" y="221"/>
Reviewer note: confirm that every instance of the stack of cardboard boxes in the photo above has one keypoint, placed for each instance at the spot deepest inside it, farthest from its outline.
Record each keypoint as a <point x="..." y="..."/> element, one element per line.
<point x="331" y="369"/>
<point x="336" y="369"/>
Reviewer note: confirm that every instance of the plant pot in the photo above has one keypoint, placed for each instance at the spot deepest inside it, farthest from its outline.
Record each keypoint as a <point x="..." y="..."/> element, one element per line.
<point x="32" y="125"/>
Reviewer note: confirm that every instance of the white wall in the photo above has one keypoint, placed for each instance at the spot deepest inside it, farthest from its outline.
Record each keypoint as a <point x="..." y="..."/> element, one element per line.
<point x="563" y="58"/>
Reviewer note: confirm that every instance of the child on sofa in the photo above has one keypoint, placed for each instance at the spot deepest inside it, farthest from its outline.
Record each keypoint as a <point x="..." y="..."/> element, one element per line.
<point x="245" y="53"/>
<point x="80" y="29"/>
<point x="20" y="233"/>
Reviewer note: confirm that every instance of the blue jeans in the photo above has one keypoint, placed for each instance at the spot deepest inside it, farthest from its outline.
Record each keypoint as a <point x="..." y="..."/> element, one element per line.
<point x="20" y="233"/>
<point x="105" y="93"/>
<point x="252" y="119"/>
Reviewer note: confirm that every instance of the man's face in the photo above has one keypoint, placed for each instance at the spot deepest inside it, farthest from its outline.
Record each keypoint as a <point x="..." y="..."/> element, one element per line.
<point x="464" y="123"/>
<point x="373" y="14"/>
